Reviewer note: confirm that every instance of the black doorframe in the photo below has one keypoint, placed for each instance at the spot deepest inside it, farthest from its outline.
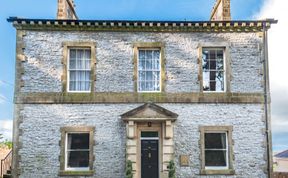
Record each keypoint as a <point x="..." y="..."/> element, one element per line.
<point x="151" y="140"/>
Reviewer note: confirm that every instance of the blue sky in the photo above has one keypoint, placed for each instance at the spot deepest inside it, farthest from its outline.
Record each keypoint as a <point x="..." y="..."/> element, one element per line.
<point x="114" y="10"/>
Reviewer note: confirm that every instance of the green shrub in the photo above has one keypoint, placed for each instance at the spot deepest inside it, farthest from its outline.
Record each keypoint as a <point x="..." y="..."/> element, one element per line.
<point x="129" y="173"/>
<point x="171" y="168"/>
<point x="9" y="144"/>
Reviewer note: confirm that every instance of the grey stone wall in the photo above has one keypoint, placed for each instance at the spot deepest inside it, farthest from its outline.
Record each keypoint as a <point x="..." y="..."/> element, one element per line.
<point x="114" y="55"/>
<point x="41" y="135"/>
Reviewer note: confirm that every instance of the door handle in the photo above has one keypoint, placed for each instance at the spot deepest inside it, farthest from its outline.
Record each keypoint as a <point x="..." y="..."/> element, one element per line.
<point x="149" y="155"/>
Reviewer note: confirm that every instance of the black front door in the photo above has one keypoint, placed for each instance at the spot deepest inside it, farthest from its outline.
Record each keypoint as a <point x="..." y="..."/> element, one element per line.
<point x="149" y="158"/>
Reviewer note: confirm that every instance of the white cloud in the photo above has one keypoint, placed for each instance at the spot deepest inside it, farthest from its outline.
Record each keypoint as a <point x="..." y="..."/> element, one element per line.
<point x="2" y="99"/>
<point x="279" y="124"/>
<point x="6" y="128"/>
<point x="278" y="38"/>
<point x="278" y="63"/>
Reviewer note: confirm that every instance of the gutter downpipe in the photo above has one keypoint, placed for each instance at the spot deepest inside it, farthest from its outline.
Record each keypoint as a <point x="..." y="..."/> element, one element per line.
<point x="267" y="106"/>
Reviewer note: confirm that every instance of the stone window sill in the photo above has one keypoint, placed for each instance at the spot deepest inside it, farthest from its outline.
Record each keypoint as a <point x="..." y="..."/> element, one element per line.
<point x="217" y="172"/>
<point x="76" y="173"/>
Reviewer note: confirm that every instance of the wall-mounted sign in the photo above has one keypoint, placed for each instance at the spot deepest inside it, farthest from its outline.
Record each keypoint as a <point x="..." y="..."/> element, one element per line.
<point x="184" y="160"/>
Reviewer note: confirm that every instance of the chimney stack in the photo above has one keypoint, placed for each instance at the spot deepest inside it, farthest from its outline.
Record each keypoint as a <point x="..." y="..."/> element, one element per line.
<point x="66" y="10"/>
<point x="221" y="11"/>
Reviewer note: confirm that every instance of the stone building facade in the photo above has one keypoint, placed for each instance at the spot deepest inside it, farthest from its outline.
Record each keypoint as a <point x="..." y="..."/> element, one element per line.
<point x="91" y="120"/>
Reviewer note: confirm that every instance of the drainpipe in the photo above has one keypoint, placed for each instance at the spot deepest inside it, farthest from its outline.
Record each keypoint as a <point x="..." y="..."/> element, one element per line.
<point x="267" y="101"/>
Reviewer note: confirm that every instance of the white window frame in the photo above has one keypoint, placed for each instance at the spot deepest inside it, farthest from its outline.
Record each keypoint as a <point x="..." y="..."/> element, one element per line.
<point x="68" y="70"/>
<point x="160" y="71"/>
<point x="227" y="152"/>
<point x="66" y="154"/>
<point x="224" y="68"/>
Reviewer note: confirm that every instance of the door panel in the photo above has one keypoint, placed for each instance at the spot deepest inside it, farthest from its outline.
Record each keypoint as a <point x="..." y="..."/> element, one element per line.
<point x="149" y="159"/>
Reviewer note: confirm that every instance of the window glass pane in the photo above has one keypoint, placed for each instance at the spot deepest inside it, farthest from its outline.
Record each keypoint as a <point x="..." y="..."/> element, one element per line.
<point x="219" y="54"/>
<point x="215" y="158"/>
<point x="73" y="75"/>
<point x="149" y="86"/>
<point x="72" y="64"/>
<point x="148" y="64"/>
<point x="213" y="70"/>
<point x="212" y="65"/>
<point x="87" y="64"/>
<point x="149" y="134"/>
<point x="220" y="64"/>
<point x="215" y="140"/>
<point x="72" y="54"/>
<point x="206" y="80"/>
<point x="72" y="86"/>
<point x="219" y="81"/>
<point x="212" y="54"/>
<point x="156" y="76"/>
<point x="77" y="159"/>
<point x="87" y="54"/>
<point x="213" y="75"/>
<point x="157" y="86"/>
<point x="212" y="85"/>
<point x="78" y="141"/>
<point x="141" y="76"/>
<point x="141" y="55"/>
<point x="141" y="64"/>
<point x="205" y="63"/>
<point x="149" y="76"/>
<point x="149" y="54"/>
<point x="87" y="86"/>
<point x="141" y="86"/>
<point x="80" y="69"/>
<point x="149" y="70"/>
<point x="80" y="54"/>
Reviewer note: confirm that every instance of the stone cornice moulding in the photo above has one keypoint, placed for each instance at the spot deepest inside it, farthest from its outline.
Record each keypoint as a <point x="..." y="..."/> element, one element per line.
<point x="143" y="26"/>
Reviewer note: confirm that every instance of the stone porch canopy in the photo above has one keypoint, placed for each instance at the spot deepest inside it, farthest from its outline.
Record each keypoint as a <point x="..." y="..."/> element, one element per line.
<point x="148" y="26"/>
<point x="148" y="112"/>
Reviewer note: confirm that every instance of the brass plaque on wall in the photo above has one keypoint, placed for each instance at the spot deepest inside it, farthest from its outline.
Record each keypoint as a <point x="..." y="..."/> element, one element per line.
<point x="184" y="160"/>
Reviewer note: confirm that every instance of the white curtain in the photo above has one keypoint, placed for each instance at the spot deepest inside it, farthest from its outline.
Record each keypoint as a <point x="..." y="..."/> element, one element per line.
<point x="80" y="69"/>
<point x="149" y="70"/>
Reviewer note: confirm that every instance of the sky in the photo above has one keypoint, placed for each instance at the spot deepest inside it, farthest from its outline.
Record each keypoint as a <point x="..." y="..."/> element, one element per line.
<point x="153" y="10"/>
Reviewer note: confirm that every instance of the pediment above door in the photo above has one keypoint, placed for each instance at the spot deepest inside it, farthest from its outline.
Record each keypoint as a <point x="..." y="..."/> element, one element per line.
<point x="149" y="112"/>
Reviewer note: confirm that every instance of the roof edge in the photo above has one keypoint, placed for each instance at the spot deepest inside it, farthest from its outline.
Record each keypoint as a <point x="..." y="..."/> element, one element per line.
<point x="142" y="25"/>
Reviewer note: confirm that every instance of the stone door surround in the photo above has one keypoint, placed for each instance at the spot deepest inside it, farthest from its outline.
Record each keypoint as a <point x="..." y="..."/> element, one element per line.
<point x="149" y="117"/>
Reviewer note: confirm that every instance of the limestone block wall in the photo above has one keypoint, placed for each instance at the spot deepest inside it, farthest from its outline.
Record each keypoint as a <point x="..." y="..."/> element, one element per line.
<point x="41" y="135"/>
<point x="114" y="59"/>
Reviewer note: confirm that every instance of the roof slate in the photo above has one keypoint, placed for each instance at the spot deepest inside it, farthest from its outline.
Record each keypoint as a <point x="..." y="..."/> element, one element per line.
<point x="283" y="154"/>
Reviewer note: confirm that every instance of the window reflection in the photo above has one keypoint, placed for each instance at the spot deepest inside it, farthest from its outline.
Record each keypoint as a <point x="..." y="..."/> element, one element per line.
<point x="213" y="69"/>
